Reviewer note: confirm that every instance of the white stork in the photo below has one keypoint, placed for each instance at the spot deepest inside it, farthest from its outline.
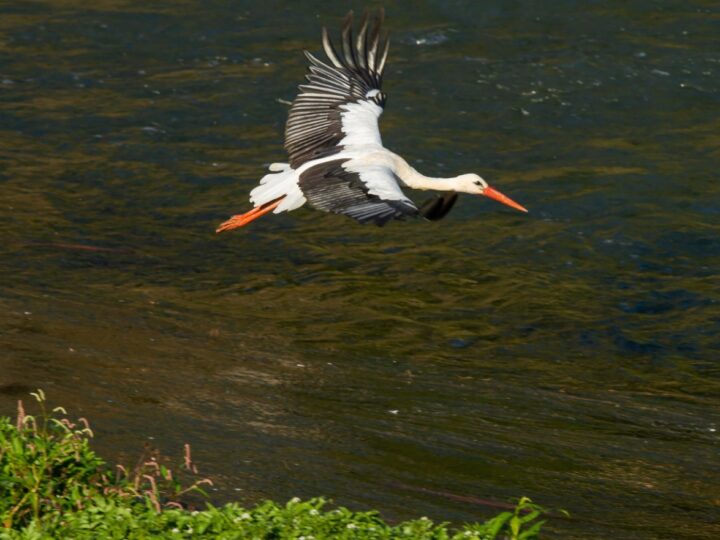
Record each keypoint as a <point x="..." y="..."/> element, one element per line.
<point x="337" y="160"/>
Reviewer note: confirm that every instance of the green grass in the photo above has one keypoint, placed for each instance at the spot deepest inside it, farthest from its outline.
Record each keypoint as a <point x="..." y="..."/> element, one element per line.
<point x="53" y="485"/>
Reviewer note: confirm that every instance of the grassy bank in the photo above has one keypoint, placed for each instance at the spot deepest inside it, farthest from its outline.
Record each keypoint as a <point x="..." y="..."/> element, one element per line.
<point x="53" y="485"/>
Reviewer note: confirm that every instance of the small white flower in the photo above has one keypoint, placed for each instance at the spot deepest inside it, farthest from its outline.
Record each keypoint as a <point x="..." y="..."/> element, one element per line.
<point x="194" y="513"/>
<point x="295" y="500"/>
<point x="351" y="526"/>
<point x="175" y="530"/>
<point x="314" y="512"/>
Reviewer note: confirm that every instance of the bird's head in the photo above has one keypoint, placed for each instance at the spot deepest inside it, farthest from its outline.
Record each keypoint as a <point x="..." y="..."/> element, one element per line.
<point x="473" y="184"/>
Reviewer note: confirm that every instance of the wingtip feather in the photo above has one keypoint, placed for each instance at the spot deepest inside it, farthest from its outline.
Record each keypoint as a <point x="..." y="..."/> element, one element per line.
<point x="329" y="49"/>
<point x="381" y="66"/>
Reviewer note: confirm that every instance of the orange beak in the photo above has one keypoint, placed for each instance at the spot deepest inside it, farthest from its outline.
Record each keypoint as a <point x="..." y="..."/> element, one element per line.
<point x="495" y="194"/>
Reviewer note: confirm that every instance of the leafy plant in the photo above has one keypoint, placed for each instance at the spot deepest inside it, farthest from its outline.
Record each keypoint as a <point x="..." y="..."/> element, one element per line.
<point x="46" y="465"/>
<point x="47" y="468"/>
<point x="520" y="524"/>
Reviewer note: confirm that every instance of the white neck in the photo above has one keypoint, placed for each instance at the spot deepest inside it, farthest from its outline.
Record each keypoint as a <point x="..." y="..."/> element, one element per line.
<point x="413" y="179"/>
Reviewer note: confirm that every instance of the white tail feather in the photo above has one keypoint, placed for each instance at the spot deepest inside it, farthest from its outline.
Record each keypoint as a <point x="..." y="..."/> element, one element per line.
<point x="279" y="184"/>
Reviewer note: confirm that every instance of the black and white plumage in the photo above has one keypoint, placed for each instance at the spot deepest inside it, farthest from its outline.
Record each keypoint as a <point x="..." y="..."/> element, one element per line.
<point x="331" y="187"/>
<point x="315" y="123"/>
<point x="337" y="162"/>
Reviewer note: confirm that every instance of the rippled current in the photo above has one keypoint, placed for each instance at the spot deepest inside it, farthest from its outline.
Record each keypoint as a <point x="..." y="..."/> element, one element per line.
<point x="439" y="369"/>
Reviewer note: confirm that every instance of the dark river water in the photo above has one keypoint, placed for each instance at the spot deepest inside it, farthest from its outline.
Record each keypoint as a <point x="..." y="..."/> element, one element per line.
<point x="571" y="354"/>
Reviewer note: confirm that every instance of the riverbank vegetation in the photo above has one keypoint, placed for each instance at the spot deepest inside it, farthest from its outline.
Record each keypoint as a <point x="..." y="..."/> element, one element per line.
<point x="53" y="485"/>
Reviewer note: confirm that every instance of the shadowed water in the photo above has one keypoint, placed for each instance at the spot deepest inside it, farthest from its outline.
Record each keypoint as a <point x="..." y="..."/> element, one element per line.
<point x="570" y="355"/>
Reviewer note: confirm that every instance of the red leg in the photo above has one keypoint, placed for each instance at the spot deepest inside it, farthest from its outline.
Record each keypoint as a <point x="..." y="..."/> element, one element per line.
<point x="241" y="220"/>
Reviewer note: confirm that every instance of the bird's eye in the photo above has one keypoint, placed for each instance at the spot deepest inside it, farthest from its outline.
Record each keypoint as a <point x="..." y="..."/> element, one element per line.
<point x="477" y="183"/>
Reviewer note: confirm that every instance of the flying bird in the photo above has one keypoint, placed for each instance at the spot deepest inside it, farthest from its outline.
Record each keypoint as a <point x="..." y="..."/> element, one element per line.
<point x="337" y="161"/>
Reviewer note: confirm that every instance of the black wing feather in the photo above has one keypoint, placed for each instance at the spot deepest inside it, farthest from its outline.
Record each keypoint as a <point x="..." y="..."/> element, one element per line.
<point x="330" y="188"/>
<point x="439" y="206"/>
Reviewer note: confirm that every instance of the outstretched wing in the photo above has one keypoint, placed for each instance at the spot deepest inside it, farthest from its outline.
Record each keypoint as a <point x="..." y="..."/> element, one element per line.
<point x="340" y="104"/>
<point x="369" y="194"/>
